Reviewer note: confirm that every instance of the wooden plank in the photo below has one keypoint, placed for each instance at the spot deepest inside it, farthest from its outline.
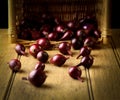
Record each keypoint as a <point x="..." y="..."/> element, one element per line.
<point x="6" y="54"/>
<point x="115" y="41"/>
<point x="105" y="81"/>
<point x="58" y="85"/>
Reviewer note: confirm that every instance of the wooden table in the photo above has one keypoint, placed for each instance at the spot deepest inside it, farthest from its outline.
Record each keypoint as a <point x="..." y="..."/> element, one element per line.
<point x="101" y="81"/>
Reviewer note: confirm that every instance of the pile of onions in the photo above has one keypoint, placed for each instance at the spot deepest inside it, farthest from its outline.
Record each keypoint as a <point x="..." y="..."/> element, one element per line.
<point x="81" y="35"/>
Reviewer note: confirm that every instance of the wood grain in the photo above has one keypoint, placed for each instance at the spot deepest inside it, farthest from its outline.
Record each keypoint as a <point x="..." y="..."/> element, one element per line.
<point x="101" y="81"/>
<point x="105" y="74"/>
<point x="6" y="54"/>
<point x="58" y="85"/>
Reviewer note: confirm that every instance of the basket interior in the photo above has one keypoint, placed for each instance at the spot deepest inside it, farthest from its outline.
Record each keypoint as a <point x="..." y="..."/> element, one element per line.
<point x="66" y="10"/>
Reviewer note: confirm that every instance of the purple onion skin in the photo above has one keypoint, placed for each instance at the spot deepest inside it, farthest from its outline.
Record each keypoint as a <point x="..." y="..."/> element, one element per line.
<point x="34" y="49"/>
<point x="58" y="60"/>
<point x="67" y="35"/>
<point x="44" y="43"/>
<point x="65" y="48"/>
<point x="15" y="65"/>
<point x="53" y="36"/>
<point x="42" y="56"/>
<point x="40" y="66"/>
<point x="84" y="51"/>
<point x="37" y="77"/>
<point x="75" y="73"/>
<point x="90" y="42"/>
<point x="86" y="61"/>
<point x="76" y="43"/>
<point x="20" y="49"/>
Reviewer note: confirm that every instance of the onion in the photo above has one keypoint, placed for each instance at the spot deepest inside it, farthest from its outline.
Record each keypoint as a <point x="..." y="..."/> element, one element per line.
<point x="58" y="60"/>
<point x="75" y="73"/>
<point x="37" y="77"/>
<point x="53" y="36"/>
<point x="84" y="51"/>
<point x="76" y="43"/>
<point x="34" y="49"/>
<point x="42" y="56"/>
<point x="97" y="34"/>
<point x="40" y="66"/>
<point x="15" y="65"/>
<point x="86" y="61"/>
<point x="90" y="42"/>
<point x="60" y="29"/>
<point x="88" y="28"/>
<point x="71" y="24"/>
<point x="65" y="48"/>
<point x="44" y="43"/>
<point x="20" y="49"/>
<point x="80" y="34"/>
<point x="67" y="35"/>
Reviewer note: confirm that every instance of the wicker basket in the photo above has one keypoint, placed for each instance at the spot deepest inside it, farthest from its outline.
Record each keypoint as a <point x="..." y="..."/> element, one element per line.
<point x="65" y="9"/>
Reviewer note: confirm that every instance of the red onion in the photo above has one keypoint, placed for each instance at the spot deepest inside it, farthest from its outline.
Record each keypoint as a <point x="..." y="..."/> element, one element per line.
<point x="42" y="56"/>
<point x="60" y="29"/>
<point x="37" y="77"/>
<point x="80" y="34"/>
<point x="75" y="73"/>
<point x="86" y="61"/>
<point x="44" y="43"/>
<point x="20" y="49"/>
<point x="84" y="51"/>
<point x="97" y="33"/>
<point x="89" y="41"/>
<point x="88" y="28"/>
<point x="71" y="24"/>
<point x="65" y="48"/>
<point x="34" y="49"/>
<point x="15" y="65"/>
<point x="58" y="60"/>
<point x="53" y="36"/>
<point x="76" y="43"/>
<point x="40" y="65"/>
<point x="67" y="35"/>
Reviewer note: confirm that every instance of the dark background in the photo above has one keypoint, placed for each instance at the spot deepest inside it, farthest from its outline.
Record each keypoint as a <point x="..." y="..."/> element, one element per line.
<point x="114" y="16"/>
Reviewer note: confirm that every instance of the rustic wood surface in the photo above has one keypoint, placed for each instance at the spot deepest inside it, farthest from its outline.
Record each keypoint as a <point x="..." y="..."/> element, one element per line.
<point x="101" y="81"/>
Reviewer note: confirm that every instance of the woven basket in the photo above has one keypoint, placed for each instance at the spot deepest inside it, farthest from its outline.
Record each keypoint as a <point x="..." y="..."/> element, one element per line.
<point x="64" y="9"/>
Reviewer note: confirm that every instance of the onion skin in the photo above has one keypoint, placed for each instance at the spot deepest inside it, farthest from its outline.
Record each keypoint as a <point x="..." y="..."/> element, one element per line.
<point x="42" y="56"/>
<point x="80" y="34"/>
<point x="58" y="60"/>
<point x="34" y="49"/>
<point x="15" y="65"/>
<point x="44" y="43"/>
<point x="65" y="48"/>
<point x="53" y="36"/>
<point x="40" y="66"/>
<point x="90" y="42"/>
<point x="67" y="35"/>
<point x="76" y="43"/>
<point x="37" y="77"/>
<point x="84" y="51"/>
<point x="75" y="73"/>
<point x="86" y="61"/>
<point x="20" y="49"/>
